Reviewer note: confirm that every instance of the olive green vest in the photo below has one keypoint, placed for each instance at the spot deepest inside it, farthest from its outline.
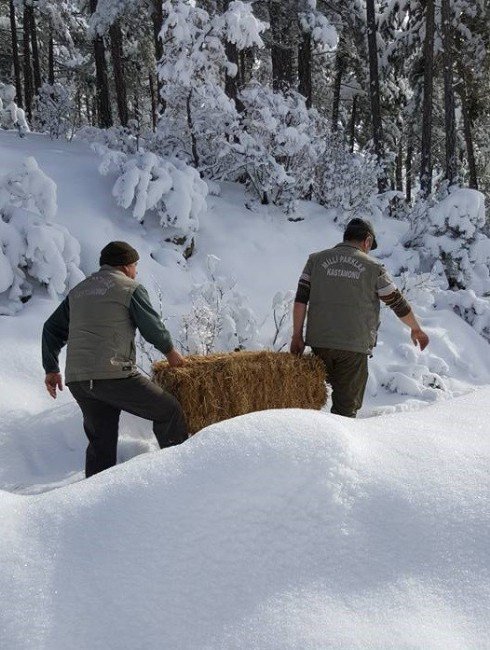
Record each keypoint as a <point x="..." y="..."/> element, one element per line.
<point x="101" y="333"/>
<point x="343" y="308"/>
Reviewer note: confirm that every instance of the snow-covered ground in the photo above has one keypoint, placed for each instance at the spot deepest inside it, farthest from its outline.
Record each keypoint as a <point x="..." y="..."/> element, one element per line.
<point x="278" y="530"/>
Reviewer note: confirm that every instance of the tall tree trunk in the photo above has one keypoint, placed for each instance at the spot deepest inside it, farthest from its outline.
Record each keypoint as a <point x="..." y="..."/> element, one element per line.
<point x="339" y="71"/>
<point x="408" y="169"/>
<point x="374" y="92"/>
<point x="51" y="60"/>
<point x="89" y="107"/>
<point x="116" y="37"/>
<point x="137" y="110"/>
<point x="284" y="27"/>
<point x="79" y="106"/>
<point x="426" y="153"/>
<point x="154" y="103"/>
<point x="246" y="61"/>
<point x="15" y="54"/>
<point x="304" y="68"/>
<point x="190" y="124"/>
<point x="242" y="66"/>
<point x="449" y="103"/>
<point x="245" y="64"/>
<point x="353" y="120"/>
<point x="232" y="83"/>
<point x="399" y="167"/>
<point x="95" y="109"/>
<point x="468" y="136"/>
<point x="36" y="64"/>
<point x="28" y="81"/>
<point x="104" y="113"/>
<point x="157" y="20"/>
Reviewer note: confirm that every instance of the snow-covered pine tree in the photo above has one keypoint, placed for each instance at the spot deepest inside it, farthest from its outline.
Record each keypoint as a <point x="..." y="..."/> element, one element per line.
<point x="33" y="249"/>
<point x="55" y="110"/>
<point x="200" y="121"/>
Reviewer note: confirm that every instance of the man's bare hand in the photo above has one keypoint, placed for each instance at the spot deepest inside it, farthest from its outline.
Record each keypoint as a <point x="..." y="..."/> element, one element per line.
<point x="175" y="359"/>
<point x="52" y="381"/>
<point x="420" y="338"/>
<point x="297" y="345"/>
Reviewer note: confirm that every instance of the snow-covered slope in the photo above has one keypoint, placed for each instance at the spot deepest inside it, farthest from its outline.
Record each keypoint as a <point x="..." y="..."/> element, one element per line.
<point x="277" y="530"/>
<point x="263" y="251"/>
<point x="42" y="441"/>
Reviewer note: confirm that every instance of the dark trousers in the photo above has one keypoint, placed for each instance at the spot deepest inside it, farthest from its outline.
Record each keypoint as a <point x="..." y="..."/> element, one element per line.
<point x="347" y="374"/>
<point x="102" y="401"/>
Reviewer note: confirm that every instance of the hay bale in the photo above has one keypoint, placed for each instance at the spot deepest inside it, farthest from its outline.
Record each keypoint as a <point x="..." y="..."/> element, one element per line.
<point x="221" y="386"/>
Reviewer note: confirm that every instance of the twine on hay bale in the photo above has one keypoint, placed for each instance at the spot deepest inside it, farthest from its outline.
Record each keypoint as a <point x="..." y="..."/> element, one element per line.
<point x="221" y="386"/>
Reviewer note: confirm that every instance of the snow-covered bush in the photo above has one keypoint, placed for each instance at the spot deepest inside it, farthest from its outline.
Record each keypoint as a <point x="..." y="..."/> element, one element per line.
<point x="415" y="380"/>
<point x="11" y="116"/>
<point x="219" y="319"/>
<point x="450" y="232"/>
<point x="465" y="303"/>
<point x="117" y="138"/>
<point x="277" y="146"/>
<point x="32" y="247"/>
<point x="55" y="110"/>
<point x="421" y="287"/>
<point x="406" y="371"/>
<point x="172" y="189"/>
<point x="345" y="181"/>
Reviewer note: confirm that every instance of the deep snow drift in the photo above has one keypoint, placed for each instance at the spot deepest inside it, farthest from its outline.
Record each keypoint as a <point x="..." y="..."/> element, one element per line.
<point x="281" y="529"/>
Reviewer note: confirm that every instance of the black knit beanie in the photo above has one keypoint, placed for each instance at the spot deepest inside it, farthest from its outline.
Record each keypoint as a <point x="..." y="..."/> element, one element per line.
<point x="118" y="253"/>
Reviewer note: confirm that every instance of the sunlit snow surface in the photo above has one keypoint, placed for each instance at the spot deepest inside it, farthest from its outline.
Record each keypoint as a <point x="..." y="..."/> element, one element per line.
<point x="281" y="529"/>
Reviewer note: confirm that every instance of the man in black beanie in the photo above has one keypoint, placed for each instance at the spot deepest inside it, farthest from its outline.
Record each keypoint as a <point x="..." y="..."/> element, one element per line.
<point x="98" y="321"/>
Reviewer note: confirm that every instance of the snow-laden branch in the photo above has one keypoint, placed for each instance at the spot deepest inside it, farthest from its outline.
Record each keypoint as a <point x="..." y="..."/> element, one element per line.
<point x="32" y="247"/>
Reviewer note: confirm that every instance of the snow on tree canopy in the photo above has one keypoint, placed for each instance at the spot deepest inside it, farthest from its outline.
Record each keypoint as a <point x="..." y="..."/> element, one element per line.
<point x="317" y="25"/>
<point x="465" y="303"/>
<point x="31" y="246"/>
<point x="150" y="183"/>
<point x="241" y="27"/>
<point x="193" y="31"/>
<point x="108" y="12"/>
